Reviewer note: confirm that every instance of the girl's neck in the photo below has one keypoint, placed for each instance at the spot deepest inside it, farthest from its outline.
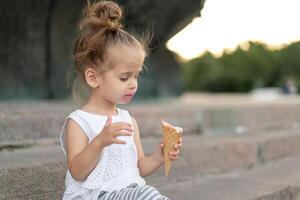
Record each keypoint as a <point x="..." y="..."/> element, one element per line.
<point x="99" y="105"/>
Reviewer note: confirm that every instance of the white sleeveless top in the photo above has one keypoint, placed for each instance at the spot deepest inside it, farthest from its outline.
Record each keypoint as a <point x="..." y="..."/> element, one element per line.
<point x="117" y="167"/>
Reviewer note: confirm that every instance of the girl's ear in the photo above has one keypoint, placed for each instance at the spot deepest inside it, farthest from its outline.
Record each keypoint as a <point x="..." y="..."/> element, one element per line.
<point x="92" y="77"/>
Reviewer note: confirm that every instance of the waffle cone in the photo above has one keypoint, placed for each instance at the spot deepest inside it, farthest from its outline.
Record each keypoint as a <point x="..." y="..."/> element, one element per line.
<point x="171" y="136"/>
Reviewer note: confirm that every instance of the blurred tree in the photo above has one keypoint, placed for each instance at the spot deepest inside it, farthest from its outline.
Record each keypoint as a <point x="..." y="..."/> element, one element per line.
<point x="243" y="70"/>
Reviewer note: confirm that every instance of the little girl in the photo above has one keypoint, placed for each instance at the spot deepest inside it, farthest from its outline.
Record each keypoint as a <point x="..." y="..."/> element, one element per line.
<point x="101" y="141"/>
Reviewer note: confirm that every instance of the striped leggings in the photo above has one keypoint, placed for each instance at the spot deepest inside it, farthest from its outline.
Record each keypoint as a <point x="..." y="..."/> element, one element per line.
<point x="133" y="192"/>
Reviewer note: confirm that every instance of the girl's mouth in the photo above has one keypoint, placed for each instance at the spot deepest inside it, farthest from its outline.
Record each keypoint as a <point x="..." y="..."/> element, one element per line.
<point x="129" y="95"/>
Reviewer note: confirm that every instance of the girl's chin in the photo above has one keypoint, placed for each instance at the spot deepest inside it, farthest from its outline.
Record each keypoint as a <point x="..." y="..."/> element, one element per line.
<point x="124" y="101"/>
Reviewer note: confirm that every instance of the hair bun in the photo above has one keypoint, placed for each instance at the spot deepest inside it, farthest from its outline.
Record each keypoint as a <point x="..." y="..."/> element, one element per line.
<point x="103" y="14"/>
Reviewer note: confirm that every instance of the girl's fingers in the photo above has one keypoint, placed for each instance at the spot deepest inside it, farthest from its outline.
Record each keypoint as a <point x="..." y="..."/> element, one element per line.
<point x="180" y="140"/>
<point x="120" y="127"/>
<point x="161" y="143"/>
<point x="173" y="157"/>
<point x="121" y="133"/>
<point x="117" y="141"/>
<point x="174" y="153"/>
<point x="121" y="123"/>
<point x="177" y="146"/>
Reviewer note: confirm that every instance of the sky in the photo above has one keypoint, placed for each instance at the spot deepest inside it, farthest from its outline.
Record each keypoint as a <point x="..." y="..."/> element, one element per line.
<point x="226" y="24"/>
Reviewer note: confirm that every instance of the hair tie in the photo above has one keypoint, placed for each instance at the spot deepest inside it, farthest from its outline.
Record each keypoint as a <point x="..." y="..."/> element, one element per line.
<point x="114" y="25"/>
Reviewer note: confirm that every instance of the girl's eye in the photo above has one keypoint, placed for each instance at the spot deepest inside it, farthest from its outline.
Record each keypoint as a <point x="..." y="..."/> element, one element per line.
<point x="124" y="79"/>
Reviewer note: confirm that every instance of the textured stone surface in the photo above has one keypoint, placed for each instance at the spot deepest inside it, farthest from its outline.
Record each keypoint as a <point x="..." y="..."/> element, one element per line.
<point x="20" y="121"/>
<point x="31" y="121"/>
<point x="38" y="37"/>
<point x="263" y="165"/>
<point x="209" y="168"/>
<point x="278" y="180"/>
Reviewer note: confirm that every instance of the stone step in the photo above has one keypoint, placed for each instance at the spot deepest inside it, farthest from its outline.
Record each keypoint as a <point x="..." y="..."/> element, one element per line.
<point x="276" y="180"/>
<point x="212" y="155"/>
<point x="39" y="169"/>
<point x="24" y="122"/>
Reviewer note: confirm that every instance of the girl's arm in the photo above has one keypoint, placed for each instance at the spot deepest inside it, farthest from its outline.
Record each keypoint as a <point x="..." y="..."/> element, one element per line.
<point x="146" y="164"/>
<point x="83" y="157"/>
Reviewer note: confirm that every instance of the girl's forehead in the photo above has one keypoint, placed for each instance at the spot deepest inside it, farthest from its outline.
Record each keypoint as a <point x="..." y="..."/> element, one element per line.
<point x="123" y="68"/>
<point x="126" y="59"/>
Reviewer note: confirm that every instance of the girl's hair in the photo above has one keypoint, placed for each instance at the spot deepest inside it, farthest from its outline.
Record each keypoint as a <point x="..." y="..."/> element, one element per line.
<point x="102" y="28"/>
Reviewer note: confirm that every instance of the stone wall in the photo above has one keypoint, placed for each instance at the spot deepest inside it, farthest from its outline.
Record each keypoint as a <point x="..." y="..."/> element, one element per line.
<point x="37" y="38"/>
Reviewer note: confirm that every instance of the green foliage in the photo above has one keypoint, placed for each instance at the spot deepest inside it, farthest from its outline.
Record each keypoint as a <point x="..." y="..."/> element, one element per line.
<point x="243" y="70"/>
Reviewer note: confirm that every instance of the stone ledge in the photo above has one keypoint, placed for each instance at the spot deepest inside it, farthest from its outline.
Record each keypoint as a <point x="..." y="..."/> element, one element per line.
<point x="27" y="168"/>
<point x="277" y="180"/>
<point x="43" y="120"/>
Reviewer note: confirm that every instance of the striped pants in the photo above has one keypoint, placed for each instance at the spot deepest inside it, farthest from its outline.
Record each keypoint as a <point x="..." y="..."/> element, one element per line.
<point x="133" y="192"/>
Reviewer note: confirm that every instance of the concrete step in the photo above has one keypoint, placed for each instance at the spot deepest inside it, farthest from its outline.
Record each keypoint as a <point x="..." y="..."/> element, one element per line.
<point x="24" y="122"/>
<point x="212" y="155"/>
<point x="276" y="180"/>
<point x="39" y="169"/>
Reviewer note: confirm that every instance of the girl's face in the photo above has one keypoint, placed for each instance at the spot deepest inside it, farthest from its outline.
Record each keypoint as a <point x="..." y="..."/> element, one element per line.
<point x="121" y="82"/>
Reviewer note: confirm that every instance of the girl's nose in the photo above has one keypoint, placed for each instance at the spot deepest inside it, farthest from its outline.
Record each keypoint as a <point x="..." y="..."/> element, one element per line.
<point x="133" y="84"/>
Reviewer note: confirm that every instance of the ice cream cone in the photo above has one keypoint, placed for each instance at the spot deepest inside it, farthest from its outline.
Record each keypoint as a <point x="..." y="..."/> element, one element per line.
<point x="171" y="135"/>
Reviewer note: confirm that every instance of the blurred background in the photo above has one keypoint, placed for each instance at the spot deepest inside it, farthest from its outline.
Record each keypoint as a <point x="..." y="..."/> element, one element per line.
<point x="235" y="47"/>
<point x="238" y="46"/>
<point x="227" y="72"/>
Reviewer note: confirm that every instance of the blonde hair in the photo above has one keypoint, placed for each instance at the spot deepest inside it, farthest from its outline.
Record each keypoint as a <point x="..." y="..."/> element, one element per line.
<point x="101" y="28"/>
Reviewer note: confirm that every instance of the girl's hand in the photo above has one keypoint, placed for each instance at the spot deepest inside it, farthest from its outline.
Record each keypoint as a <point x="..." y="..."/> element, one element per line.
<point x="111" y="131"/>
<point x="174" y="155"/>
